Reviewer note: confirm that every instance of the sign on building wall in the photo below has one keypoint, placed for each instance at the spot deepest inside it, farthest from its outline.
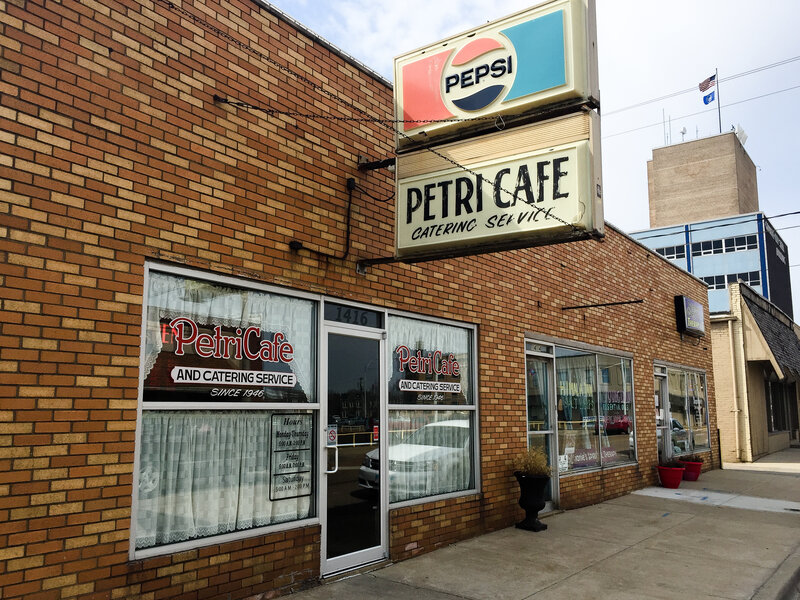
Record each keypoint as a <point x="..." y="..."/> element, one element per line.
<point x="689" y="316"/>
<point x="531" y="185"/>
<point x="543" y="55"/>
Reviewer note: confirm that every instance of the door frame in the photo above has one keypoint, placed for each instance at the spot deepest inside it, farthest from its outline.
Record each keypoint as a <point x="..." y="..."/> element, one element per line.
<point x="663" y="430"/>
<point x="359" y="558"/>
<point x="552" y="431"/>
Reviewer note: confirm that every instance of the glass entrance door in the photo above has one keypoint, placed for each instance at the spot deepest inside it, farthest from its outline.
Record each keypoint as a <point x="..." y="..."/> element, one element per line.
<point x="541" y="430"/>
<point x="353" y="510"/>
<point x="662" y="418"/>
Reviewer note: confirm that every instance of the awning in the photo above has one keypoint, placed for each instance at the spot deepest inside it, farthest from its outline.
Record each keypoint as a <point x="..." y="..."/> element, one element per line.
<point x="779" y="331"/>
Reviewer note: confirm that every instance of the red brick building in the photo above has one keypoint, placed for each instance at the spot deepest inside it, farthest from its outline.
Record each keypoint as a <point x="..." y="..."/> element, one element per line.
<point x="183" y="324"/>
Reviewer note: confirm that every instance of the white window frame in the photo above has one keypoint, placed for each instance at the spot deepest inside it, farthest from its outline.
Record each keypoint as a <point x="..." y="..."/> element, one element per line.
<point x="554" y="342"/>
<point x="187" y="273"/>
<point x="314" y="407"/>
<point x="662" y="368"/>
<point x="474" y="407"/>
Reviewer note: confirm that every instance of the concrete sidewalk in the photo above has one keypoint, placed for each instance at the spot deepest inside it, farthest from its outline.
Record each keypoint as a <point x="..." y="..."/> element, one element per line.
<point x="735" y="533"/>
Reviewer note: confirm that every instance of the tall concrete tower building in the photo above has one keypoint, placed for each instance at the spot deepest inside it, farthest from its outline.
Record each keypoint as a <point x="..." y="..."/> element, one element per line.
<point x="705" y="217"/>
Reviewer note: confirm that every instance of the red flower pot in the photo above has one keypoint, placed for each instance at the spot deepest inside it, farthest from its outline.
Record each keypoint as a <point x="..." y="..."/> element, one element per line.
<point x="670" y="476"/>
<point x="692" y="471"/>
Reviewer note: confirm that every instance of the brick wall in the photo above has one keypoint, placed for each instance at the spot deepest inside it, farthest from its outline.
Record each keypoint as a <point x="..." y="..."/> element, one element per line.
<point x="727" y="413"/>
<point x="113" y="152"/>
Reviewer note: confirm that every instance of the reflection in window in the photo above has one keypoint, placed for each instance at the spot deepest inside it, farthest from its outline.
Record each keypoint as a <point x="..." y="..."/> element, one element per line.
<point x="431" y="445"/>
<point x="538" y="388"/>
<point x="430" y="453"/>
<point x="688" y="410"/>
<point x="616" y="409"/>
<point x="697" y="409"/>
<point x="595" y="410"/>
<point x="578" y="427"/>
<point x="678" y="422"/>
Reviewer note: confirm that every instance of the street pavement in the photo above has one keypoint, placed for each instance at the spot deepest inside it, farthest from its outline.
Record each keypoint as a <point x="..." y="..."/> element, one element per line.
<point x="733" y="534"/>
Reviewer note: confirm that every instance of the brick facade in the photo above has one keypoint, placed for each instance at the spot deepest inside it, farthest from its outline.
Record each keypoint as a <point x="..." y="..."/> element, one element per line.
<point x="113" y="153"/>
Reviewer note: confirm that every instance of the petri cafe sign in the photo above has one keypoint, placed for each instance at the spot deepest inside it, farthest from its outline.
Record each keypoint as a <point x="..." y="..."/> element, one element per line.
<point x="532" y="183"/>
<point x="499" y="197"/>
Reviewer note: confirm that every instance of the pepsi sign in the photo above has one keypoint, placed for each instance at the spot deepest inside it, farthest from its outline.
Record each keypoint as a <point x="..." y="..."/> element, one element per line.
<point x="540" y="56"/>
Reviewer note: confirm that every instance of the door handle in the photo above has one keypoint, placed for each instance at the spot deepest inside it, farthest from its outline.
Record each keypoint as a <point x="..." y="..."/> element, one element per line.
<point x="335" y="461"/>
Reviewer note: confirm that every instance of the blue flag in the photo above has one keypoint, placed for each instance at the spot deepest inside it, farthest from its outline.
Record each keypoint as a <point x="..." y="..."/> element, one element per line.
<point x="708" y="99"/>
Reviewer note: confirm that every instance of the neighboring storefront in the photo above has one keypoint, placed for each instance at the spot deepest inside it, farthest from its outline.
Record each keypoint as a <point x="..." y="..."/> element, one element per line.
<point x="757" y="358"/>
<point x="202" y="394"/>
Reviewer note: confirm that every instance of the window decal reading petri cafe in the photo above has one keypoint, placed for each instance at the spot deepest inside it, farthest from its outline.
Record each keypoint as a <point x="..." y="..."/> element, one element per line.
<point x="425" y="364"/>
<point x="247" y="344"/>
<point x="291" y="456"/>
<point x="209" y="342"/>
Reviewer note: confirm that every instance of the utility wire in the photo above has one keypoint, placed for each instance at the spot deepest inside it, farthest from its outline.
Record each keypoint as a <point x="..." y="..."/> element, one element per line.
<point x="703" y="111"/>
<point x="223" y="34"/>
<point x="320" y="116"/>
<point x="694" y="88"/>
<point x="682" y="231"/>
<point x="532" y="203"/>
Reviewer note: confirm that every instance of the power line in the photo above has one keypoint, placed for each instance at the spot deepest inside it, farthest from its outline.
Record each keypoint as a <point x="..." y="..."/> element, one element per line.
<point x="719" y="225"/>
<point x="694" y="88"/>
<point x="547" y="214"/>
<point x="703" y="111"/>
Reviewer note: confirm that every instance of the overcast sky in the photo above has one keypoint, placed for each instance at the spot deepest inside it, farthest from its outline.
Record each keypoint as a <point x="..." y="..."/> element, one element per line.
<point x="647" y="49"/>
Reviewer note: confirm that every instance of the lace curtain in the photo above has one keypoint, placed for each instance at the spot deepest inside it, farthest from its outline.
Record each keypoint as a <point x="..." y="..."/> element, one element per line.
<point x="426" y="336"/>
<point x="698" y="411"/>
<point x="207" y="473"/>
<point x="210" y="304"/>
<point x="575" y="378"/>
<point x="576" y="382"/>
<point x="431" y="455"/>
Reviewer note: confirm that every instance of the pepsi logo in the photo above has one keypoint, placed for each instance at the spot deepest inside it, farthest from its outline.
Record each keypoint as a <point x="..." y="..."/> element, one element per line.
<point x="478" y="74"/>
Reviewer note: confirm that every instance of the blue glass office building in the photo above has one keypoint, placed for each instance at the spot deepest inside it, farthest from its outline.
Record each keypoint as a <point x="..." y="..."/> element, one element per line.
<point x="723" y="251"/>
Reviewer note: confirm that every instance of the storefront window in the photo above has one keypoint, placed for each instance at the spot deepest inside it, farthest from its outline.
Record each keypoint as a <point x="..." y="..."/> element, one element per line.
<point x="595" y="410"/>
<point x="431" y="444"/>
<point x="204" y="473"/>
<point x="212" y="458"/>
<point x="698" y="410"/>
<point x="430" y="453"/>
<point x="578" y="426"/>
<point x="431" y="363"/>
<point x="777" y="396"/>
<point x="207" y="342"/>
<point x="616" y="409"/>
<point x="688" y="411"/>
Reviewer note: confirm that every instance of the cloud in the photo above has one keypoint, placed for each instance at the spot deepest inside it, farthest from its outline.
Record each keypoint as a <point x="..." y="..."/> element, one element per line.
<point x="376" y="32"/>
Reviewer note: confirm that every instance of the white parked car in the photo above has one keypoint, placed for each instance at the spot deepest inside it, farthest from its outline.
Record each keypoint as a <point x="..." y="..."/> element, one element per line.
<point x="435" y="459"/>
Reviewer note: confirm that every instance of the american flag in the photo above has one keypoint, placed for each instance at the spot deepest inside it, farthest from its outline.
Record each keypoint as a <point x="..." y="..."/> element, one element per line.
<point x="708" y="83"/>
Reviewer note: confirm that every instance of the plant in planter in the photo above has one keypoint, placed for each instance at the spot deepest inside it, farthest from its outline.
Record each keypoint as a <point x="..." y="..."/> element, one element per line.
<point x="693" y="464"/>
<point x="670" y="473"/>
<point x="532" y="471"/>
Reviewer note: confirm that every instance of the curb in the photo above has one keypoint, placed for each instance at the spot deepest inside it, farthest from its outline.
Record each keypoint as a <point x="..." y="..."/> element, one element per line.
<point x="784" y="584"/>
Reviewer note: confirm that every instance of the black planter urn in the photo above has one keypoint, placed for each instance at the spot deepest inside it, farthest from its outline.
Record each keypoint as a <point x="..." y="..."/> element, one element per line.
<point x="531" y="500"/>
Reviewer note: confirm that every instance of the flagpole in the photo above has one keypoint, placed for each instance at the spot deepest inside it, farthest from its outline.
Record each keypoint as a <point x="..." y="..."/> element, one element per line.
<point x="719" y="102"/>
